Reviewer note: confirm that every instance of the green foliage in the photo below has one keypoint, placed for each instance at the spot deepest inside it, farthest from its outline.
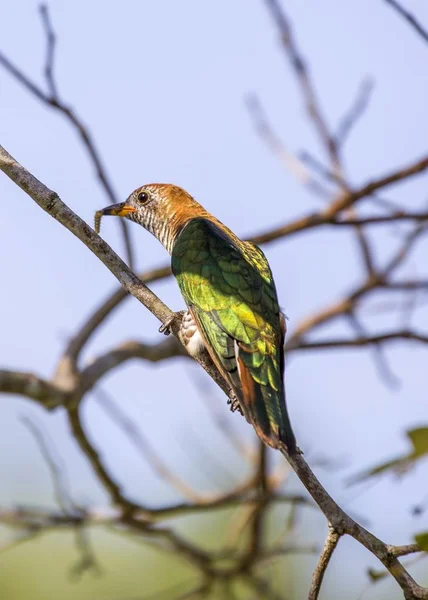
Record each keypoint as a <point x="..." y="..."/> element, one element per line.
<point x="422" y="540"/>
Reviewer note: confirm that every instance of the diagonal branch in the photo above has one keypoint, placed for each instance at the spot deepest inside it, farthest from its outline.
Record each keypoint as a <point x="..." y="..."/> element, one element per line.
<point x="413" y="22"/>
<point x="355" y="112"/>
<point x="343" y="524"/>
<point x="50" y="202"/>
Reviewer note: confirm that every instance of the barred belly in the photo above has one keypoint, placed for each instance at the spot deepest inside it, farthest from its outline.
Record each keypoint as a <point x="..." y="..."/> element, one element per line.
<point x="191" y="336"/>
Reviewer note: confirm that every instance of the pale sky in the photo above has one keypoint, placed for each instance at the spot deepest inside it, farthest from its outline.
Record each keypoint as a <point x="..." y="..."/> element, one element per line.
<point x="162" y="87"/>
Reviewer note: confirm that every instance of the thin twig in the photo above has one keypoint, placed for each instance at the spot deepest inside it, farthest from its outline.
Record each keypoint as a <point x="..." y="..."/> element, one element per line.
<point x="356" y="111"/>
<point x="50" y="50"/>
<point x="143" y="445"/>
<point x="323" y="561"/>
<point x="62" y="495"/>
<point x="302" y="73"/>
<point x="413" y="22"/>
<point x="277" y="147"/>
<point x="52" y="99"/>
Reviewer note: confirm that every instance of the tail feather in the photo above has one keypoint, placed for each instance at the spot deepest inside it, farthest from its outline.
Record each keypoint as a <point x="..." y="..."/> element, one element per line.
<point x="286" y="433"/>
<point x="260" y="403"/>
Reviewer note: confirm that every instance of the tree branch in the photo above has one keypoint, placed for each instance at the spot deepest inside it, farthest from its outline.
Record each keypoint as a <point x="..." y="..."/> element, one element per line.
<point x="29" y="385"/>
<point x="343" y="524"/>
<point x="358" y="342"/>
<point x="128" y="351"/>
<point x="323" y="562"/>
<point x="409" y="18"/>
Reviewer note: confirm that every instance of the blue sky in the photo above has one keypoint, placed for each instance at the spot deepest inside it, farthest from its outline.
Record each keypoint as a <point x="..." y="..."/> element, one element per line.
<point x="162" y="87"/>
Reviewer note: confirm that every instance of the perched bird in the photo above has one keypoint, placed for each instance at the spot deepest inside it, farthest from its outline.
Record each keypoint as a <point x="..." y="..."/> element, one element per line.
<point x="231" y="297"/>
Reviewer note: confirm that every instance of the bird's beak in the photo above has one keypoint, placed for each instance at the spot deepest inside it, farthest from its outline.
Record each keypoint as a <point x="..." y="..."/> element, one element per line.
<point x="117" y="210"/>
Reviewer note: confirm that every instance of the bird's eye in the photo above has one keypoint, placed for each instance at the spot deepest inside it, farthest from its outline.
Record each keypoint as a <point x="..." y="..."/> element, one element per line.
<point x="143" y="197"/>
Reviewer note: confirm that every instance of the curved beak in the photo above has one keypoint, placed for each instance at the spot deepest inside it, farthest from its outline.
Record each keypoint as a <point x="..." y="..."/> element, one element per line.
<point x="116" y="210"/>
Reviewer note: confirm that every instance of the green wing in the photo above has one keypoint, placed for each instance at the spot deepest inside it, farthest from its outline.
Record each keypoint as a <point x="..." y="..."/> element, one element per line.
<point x="228" y="286"/>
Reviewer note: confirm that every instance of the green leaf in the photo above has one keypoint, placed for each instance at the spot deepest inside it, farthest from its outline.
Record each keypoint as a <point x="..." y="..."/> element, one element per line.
<point x="422" y="540"/>
<point x="419" y="439"/>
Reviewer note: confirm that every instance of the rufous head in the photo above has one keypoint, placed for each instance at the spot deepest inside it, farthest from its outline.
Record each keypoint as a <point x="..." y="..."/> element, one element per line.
<point x="161" y="208"/>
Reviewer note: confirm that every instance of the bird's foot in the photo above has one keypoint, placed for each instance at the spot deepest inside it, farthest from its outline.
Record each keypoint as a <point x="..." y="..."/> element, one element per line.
<point x="234" y="405"/>
<point x="166" y="328"/>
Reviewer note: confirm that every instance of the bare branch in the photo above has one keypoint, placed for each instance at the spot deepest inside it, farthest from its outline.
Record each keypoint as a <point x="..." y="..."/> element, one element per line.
<point x="381" y="362"/>
<point x="113" y="488"/>
<point x="303" y="77"/>
<point x="356" y="111"/>
<point x="291" y="162"/>
<point x="323" y="562"/>
<point x="258" y="517"/>
<point x="29" y="385"/>
<point x="398" y="551"/>
<point x="409" y="18"/>
<point x="50" y="51"/>
<point x="50" y="202"/>
<point x="62" y="494"/>
<point x="104" y="311"/>
<point x="328" y="344"/>
<point x="344" y="201"/>
<point x="154" y="353"/>
<point x="143" y="445"/>
<point x="342" y="524"/>
<point x="52" y="99"/>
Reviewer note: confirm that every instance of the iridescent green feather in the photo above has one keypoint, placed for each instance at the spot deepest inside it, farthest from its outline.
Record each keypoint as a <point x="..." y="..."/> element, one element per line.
<point x="228" y="286"/>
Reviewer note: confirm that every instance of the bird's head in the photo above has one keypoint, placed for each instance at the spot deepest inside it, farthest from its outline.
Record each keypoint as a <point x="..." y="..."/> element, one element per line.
<point x="161" y="208"/>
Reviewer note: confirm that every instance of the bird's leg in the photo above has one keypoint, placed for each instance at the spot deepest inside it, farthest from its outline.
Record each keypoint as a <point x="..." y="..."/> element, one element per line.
<point x="166" y="327"/>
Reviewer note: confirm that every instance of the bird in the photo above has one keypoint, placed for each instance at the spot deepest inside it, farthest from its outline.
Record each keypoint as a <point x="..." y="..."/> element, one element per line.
<point x="232" y="304"/>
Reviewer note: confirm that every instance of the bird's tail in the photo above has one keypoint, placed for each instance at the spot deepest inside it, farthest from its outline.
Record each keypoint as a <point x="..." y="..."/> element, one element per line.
<point x="286" y="433"/>
<point x="265" y="408"/>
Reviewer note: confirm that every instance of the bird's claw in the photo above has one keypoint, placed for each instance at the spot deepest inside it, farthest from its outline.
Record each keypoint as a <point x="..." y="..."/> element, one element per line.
<point x="234" y="405"/>
<point x="165" y="328"/>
